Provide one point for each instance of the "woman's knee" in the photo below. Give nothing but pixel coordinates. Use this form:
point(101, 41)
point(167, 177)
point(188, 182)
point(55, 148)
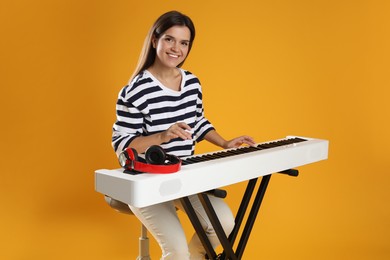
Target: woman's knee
point(175, 250)
point(224, 214)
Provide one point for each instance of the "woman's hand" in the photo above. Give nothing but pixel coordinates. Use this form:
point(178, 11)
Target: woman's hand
point(178, 130)
point(238, 141)
point(214, 138)
point(181, 130)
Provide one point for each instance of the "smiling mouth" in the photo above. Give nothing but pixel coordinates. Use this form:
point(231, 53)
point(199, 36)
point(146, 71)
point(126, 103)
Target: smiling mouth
point(173, 55)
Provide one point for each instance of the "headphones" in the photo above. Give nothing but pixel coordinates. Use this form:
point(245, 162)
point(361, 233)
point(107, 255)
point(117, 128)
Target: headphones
point(157, 161)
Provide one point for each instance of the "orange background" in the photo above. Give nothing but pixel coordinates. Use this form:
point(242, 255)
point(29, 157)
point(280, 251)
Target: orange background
point(268, 69)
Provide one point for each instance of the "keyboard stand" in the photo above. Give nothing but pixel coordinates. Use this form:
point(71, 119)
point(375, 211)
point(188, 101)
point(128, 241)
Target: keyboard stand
point(227, 243)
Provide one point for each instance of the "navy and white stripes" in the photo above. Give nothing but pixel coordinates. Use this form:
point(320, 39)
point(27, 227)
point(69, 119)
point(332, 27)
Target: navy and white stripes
point(146, 106)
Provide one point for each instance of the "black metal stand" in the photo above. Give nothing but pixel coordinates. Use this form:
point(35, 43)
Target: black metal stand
point(227, 243)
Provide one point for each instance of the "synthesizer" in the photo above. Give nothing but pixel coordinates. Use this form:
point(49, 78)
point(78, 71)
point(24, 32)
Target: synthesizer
point(204, 172)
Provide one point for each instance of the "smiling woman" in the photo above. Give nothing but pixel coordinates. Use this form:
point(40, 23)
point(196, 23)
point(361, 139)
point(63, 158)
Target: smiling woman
point(162, 105)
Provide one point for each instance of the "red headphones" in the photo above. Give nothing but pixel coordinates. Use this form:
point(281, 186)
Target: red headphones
point(157, 161)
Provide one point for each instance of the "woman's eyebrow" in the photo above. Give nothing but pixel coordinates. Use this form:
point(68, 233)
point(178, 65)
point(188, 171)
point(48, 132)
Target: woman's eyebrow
point(170, 36)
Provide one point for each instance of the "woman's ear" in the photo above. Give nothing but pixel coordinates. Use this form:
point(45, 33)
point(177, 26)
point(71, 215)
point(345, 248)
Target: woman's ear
point(154, 42)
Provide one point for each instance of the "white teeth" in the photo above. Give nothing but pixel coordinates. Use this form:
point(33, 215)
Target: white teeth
point(174, 56)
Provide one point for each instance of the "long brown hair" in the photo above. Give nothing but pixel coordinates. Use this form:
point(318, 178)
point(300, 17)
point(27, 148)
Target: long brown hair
point(163, 23)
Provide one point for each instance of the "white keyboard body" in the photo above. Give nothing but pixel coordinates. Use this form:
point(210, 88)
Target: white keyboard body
point(147, 189)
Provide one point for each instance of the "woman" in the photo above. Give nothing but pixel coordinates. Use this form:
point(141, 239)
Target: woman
point(162, 105)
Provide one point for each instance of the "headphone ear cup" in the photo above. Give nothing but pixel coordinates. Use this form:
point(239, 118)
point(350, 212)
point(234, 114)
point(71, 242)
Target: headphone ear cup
point(155, 155)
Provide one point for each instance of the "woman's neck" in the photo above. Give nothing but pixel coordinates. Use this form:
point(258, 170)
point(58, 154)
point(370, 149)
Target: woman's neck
point(169, 77)
point(163, 72)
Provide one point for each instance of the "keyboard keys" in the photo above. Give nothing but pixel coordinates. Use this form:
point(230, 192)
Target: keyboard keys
point(241, 150)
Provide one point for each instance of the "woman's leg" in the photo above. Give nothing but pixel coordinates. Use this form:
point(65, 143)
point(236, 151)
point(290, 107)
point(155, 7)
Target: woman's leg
point(225, 216)
point(162, 222)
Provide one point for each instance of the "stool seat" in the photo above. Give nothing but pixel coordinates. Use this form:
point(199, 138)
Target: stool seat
point(118, 205)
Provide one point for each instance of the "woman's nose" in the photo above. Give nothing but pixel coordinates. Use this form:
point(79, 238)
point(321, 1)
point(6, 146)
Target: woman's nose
point(175, 46)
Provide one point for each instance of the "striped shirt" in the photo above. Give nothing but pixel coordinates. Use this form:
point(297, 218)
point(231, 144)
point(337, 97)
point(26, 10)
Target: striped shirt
point(146, 107)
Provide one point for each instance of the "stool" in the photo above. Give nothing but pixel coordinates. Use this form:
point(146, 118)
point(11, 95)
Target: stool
point(143, 244)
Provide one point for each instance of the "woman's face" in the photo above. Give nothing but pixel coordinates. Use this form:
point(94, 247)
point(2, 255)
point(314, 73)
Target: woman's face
point(172, 46)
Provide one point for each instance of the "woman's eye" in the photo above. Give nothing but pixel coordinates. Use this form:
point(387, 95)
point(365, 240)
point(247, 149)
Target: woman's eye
point(184, 43)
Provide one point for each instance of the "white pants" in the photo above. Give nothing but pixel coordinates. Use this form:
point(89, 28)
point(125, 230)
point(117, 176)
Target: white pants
point(162, 222)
